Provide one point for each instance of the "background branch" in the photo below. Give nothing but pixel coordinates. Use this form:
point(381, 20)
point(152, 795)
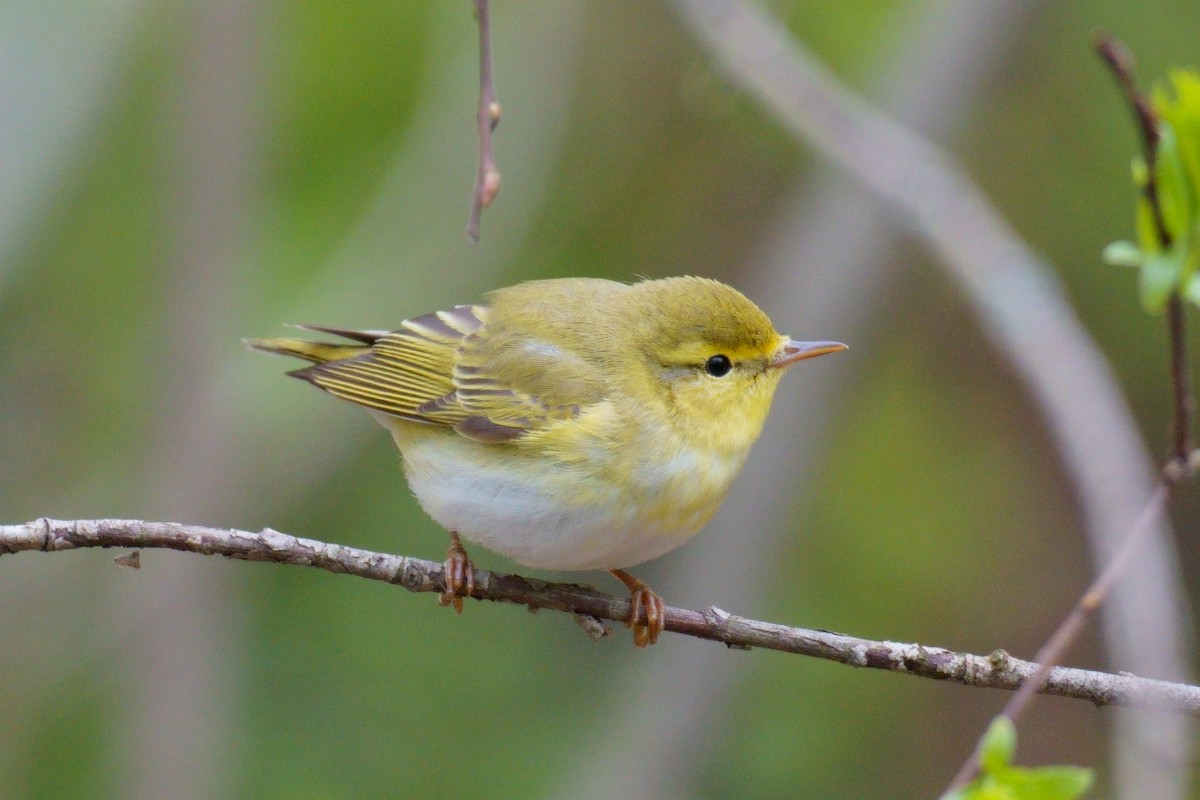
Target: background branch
point(172, 722)
point(1120, 61)
point(1025, 314)
point(932, 70)
point(997, 671)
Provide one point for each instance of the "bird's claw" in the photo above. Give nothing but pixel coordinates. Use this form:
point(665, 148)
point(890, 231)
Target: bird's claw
point(459, 576)
point(643, 601)
point(647, 632)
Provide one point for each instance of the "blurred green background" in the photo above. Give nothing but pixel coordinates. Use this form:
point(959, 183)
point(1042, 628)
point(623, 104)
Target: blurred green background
point(174, 176)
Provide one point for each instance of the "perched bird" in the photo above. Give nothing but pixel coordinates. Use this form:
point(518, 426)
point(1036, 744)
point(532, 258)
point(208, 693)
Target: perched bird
point(570, 424)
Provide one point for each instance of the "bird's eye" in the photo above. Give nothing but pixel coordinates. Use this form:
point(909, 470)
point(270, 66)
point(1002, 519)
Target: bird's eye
point(718, 366)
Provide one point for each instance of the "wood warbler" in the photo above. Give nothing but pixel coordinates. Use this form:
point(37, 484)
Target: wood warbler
point(570, 424)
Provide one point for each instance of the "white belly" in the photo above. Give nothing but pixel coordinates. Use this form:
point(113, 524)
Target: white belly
point(559, 517)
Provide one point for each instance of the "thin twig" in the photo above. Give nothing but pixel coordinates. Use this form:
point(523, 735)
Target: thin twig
point(487, 180)
point(1120, 61)
point(1056, 647)
point(1118, 58)
point(1181, 385)
point(997, 671)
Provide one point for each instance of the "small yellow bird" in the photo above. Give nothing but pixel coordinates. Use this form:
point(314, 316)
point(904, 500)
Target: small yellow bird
point(570, 424)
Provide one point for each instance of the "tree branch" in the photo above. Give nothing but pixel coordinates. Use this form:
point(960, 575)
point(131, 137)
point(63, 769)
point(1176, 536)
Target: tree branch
point(998, 670)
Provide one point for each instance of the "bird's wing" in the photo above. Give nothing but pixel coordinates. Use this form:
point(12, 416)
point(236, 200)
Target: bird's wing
point(399, 371)
point(507, 383)
point(442, 369)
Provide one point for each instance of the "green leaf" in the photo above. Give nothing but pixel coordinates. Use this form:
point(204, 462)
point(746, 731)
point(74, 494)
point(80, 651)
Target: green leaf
point(1176, 176)
point(1175, 194)
point(1182, 112)
point(1191, 290)
point(999, 780)
point(1122, 254)
point(1189, 256)
point(1018, 783)
point(1145, 226)
point(1161, 273)
point(1177, 179)
point(1042, 783)
point(998, 746)
point(1137, 169)
point(1049, 783)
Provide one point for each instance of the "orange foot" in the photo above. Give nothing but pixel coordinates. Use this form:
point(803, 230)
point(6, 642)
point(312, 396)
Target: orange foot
point(460, 576)
point(644, 599)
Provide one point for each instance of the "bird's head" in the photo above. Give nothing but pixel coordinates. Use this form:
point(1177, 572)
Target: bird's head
point(712, 358)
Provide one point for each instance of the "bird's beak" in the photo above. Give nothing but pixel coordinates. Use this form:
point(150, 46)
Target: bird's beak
point(793, 351)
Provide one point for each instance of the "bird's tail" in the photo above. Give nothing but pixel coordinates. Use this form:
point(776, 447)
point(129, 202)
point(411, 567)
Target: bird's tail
point(319, 352)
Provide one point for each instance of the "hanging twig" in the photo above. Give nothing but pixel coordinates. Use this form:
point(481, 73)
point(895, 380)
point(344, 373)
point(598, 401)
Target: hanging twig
point(487, 180)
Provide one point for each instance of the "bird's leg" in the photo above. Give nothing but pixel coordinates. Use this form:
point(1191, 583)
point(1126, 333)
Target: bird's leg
point(460, 575)
point(643, 598)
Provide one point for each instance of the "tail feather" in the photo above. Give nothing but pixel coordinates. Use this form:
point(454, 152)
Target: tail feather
point(396, 373)
point(316, 352)
point(366, 337)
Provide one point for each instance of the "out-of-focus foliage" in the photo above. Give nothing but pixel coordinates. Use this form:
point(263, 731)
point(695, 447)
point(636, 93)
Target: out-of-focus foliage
point(1000, 780)
point(193, 173)
point(1170, 268)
